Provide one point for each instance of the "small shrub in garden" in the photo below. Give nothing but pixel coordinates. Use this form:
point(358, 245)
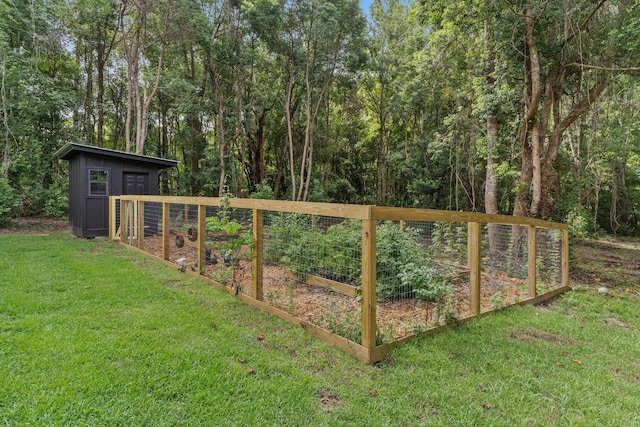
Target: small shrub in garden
point(430, 284)
point(425, 281)
point(283, 234)
point(450, 239)
point(394, 249)
point(217, 224)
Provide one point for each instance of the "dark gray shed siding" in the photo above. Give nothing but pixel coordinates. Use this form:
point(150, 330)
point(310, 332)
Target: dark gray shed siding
point(89, 214)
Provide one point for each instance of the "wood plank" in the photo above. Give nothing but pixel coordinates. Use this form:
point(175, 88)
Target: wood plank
point(202, 237)
point(166, 231)
point(140, 225)
point(531, 260)
point(124, 226)
point(564, 258)
point(339, 287)
point(112, 217)
point(414, 214)
point(310, 208)
point(342, 288)
point(369, 283)
point(474, 243)
point(258, 254)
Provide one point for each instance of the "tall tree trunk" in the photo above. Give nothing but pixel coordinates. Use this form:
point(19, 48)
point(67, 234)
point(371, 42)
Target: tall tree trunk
point(382, 165)
point(88, 97)
point(288, 113)
point(100, 101)
point(6, 152)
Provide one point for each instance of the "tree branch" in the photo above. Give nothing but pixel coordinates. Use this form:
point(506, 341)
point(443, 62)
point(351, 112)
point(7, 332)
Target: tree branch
point(598, 67)
point(586, 21)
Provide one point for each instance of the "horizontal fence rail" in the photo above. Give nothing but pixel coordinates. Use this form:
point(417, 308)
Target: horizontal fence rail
point(364, 278)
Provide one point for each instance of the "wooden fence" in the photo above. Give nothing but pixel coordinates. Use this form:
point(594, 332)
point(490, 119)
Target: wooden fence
point(130, 224)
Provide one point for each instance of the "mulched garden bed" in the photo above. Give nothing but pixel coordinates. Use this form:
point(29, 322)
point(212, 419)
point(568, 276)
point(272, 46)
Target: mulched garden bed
point(337, 312)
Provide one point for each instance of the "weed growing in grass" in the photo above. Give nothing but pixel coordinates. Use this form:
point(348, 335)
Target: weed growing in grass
point(497, 300)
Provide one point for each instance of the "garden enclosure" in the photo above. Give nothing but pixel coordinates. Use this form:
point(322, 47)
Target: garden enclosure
point(364, 278)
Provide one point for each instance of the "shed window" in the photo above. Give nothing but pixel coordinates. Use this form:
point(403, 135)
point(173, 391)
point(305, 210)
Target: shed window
point(98, 182)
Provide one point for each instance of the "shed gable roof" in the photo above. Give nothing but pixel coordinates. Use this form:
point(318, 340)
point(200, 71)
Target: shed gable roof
point(70, 150)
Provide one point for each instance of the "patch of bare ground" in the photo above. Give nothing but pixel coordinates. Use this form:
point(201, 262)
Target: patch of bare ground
point(611, 262)
point(628, 372)
point(532, 335)
point(329, 399)
point(31, 225)
point(618, 323)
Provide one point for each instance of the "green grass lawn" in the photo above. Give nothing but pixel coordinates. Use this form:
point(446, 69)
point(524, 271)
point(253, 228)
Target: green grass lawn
point(92, 333)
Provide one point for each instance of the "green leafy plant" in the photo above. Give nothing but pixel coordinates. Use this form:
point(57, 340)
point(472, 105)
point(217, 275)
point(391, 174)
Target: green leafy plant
point(394, 250)
point(221, 224)
point(449, 238)
point(578, 221)
point(263, 191)
point(429, 284)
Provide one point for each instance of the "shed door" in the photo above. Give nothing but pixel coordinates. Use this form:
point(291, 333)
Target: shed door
point(135, 183)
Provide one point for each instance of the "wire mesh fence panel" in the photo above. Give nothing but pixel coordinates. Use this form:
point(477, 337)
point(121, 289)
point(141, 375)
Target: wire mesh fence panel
point(115, 231)
point(152, 228)
point(504, 265)
point(128, 229)
point(548, 259)
point(422, 277)
point(228, 247)
point(312, 269)
point(183, 226)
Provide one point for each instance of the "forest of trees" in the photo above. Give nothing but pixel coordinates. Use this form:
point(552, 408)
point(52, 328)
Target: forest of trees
point(523, 107)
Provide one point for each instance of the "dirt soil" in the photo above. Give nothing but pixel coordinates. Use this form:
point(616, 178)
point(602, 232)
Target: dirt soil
point(36, 226)
point(335, 311)
point(609, 261)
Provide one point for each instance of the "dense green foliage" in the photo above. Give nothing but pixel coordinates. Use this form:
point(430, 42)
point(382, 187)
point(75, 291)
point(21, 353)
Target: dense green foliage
point(335, 253)
point(8, 202)
point(94, 334)
point(524, 107)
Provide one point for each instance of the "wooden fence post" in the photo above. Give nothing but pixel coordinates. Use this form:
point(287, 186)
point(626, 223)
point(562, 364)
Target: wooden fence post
point(140, 224)
point(202, 238)
point(258, 255)
point(369, 283)
point(124, 221)
point(565, 258)
point(112, 217)
point(166, 231)
point(531, 260)
point(474, 240)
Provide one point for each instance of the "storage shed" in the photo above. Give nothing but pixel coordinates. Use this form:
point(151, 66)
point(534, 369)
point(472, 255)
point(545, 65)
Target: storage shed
point(97, 173)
